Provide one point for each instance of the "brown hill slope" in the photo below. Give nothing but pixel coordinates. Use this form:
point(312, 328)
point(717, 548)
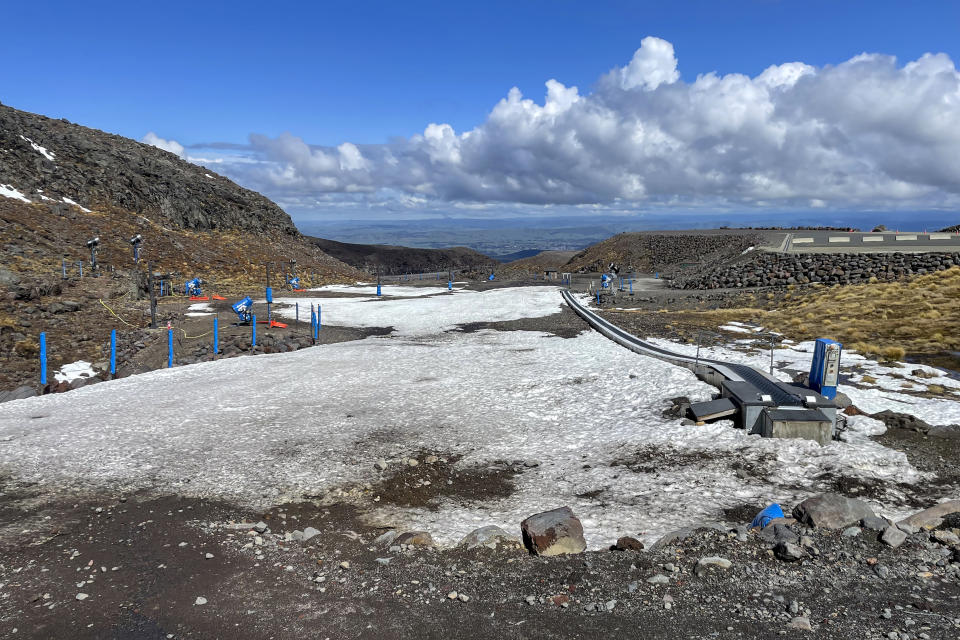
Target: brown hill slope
point(394, 260)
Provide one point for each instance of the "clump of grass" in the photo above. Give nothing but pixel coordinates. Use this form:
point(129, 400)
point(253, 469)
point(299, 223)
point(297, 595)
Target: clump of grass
point(867, 379)
point(894, 353)
point(27, 347)
point(935, 388)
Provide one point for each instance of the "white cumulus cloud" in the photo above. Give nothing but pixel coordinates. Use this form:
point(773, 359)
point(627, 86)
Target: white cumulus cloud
point(167, 145)
point(866, 132)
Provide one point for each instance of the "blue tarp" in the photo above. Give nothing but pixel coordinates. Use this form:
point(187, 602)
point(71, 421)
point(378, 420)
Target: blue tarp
point(764, 517)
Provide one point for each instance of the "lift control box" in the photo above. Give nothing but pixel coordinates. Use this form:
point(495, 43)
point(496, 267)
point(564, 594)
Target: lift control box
point(825, 370)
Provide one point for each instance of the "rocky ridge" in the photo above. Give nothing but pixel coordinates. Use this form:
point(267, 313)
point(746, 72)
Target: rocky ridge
point(773, 269)
point(56, 161)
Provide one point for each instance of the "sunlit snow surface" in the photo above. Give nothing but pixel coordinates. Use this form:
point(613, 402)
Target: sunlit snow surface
point(7, 191)
point(260, 430)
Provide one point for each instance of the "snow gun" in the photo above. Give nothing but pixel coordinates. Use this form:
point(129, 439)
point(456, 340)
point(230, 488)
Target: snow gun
point(294, 282)
point(491, 277)
point(192, 287)
point(605, 281)
point(244, 310)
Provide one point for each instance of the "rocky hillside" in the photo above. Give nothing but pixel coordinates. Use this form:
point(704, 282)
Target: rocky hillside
point(397, 260)
point(771, 269)
point(62, 184)
point(662, 251)
point(49, 161)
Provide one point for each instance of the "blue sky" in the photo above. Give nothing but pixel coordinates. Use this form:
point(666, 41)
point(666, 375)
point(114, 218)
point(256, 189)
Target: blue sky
point(374, 73)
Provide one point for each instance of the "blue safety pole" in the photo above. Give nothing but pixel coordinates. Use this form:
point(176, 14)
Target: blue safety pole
point(313, 323)
point(43, 358)
point(598, 297)
point(378, 289)
point(216, 335)
point(319, 319)
point(253, 332)
point(631, 285)
point(169, 348)
point(449, 285)
point(113, 352)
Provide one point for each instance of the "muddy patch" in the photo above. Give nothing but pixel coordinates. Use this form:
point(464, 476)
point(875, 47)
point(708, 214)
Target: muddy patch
point(657, 459)
point(565, 324)
point(436, 477)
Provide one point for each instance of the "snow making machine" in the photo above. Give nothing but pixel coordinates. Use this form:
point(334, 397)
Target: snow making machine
point(244, 310)
point(294, 282)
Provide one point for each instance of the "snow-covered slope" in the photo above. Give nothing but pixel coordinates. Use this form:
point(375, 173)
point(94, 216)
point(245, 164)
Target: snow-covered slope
point(259, 430)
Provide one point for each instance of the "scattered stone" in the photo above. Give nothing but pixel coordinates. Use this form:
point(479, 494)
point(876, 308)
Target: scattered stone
point(431, 459)
point(310, 532)
point(199, 601)
point(893, 537)
point(413, 462)
point(831, 511)
point(82, 596)
point(260, 527)
point(345, 564)
point(463, 597)
point(945, 537)
point(851, 532)
point(385, 539)
point(874, 523)
point(490, 537)
point(414, 538)
point(553, 533)
point(208, 556)
point(627, 543)
point(610, 604)
point(711, 564)
point(453, 595)
point(658, 579)
point(801, 622)
point(381, 464)
point(789, 552)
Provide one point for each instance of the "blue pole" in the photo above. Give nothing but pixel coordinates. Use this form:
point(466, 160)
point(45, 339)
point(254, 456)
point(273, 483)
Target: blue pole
point(297, 306)
point(319, 319)
point(216, 335)
point(313, 322)
point(169, 348)
point(43, 358)
point(449, 285)
point(253, 335)
point(378, 289)
point(598, 297)
point(631, 285)
point(113, 352)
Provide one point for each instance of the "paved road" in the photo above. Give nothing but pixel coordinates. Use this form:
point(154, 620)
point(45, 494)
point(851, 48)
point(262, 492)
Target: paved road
point(905, 241)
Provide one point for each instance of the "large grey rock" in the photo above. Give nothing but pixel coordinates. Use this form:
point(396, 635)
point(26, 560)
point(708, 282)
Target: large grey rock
point(875, 523)
point(932, 517)
point(892, 536)
point(789, 552)
point(553, 533)
point(489, 537)
point(832, 511)
point(19, 393)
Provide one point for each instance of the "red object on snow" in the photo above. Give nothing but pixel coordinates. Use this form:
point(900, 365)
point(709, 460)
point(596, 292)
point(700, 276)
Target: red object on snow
point(299, 290)
point(198, 298)
point(219, 298)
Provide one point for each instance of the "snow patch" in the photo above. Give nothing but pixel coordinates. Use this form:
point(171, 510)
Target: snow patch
point(7, 191)
point(79, 206)
point(49, 155)
point(73, 371)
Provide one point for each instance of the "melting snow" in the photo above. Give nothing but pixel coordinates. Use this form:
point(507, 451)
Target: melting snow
point(199, 309)
point(8, 191)
point(79, 206)
point(74, 370)
point(46, 154)
point(585, 409)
